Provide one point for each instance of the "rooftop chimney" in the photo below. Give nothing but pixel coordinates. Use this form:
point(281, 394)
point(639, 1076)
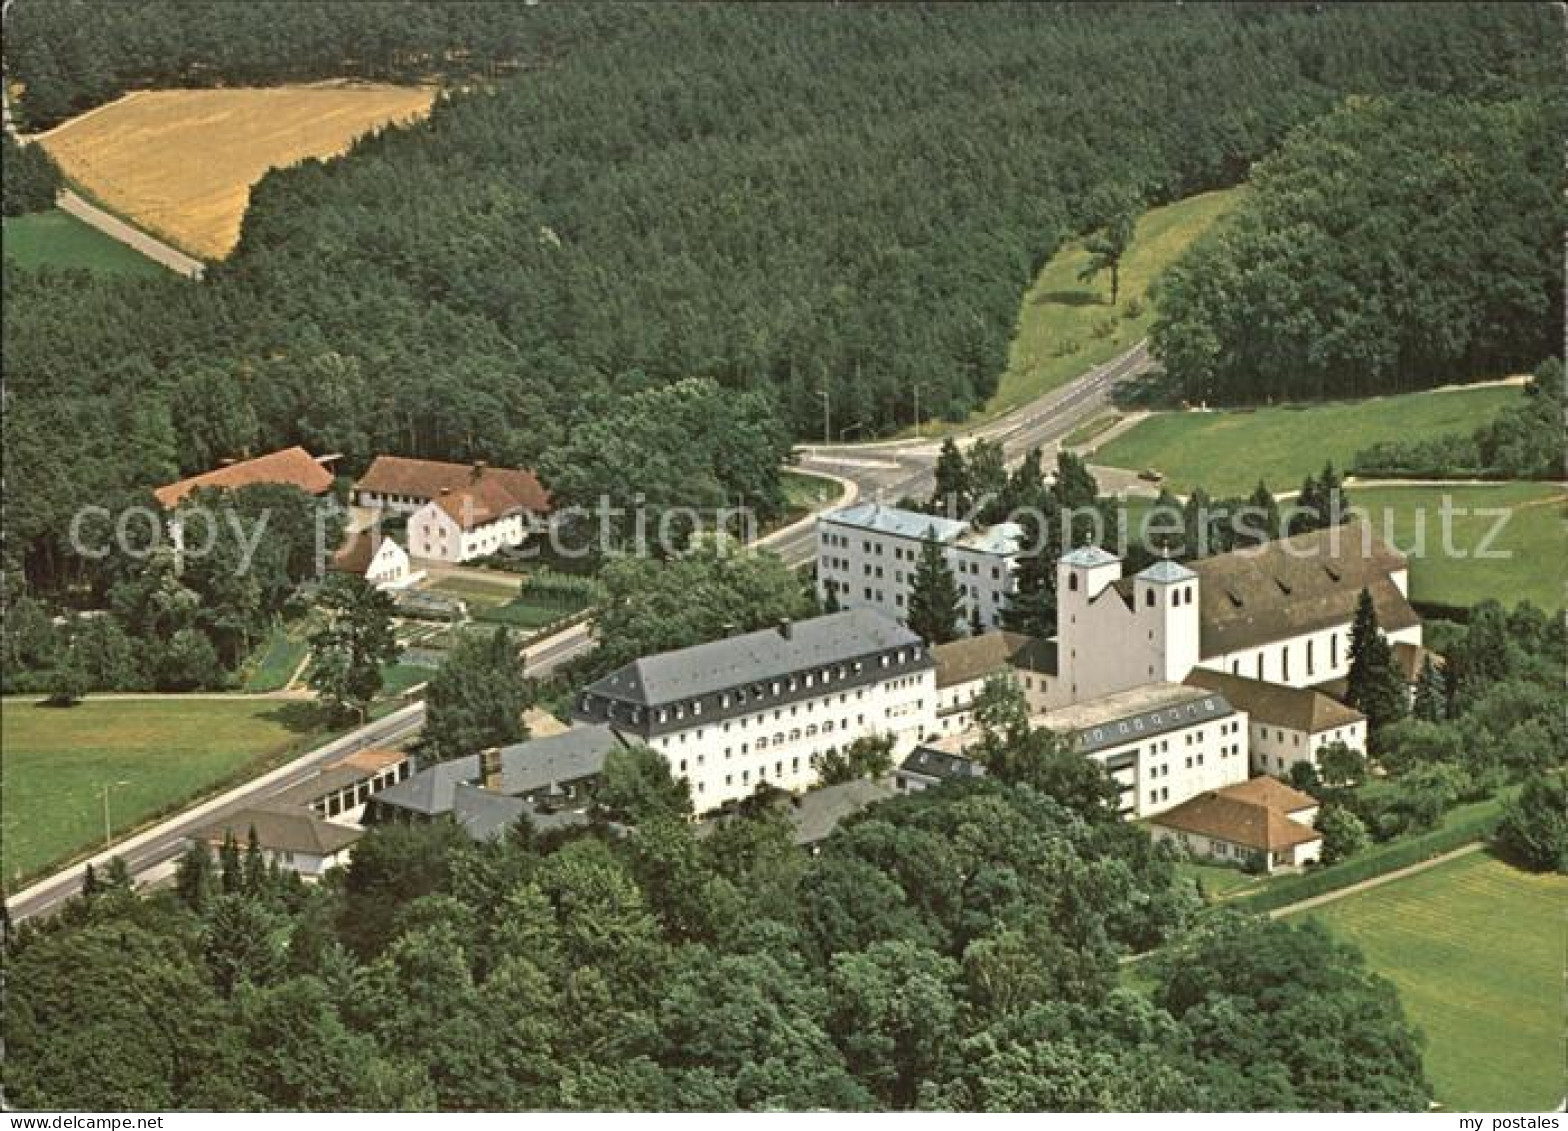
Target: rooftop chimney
point(786, 629)
point(490, 769)
point(479, 469)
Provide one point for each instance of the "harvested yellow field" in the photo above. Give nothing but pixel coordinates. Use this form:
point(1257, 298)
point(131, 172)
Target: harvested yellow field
point(181, 163)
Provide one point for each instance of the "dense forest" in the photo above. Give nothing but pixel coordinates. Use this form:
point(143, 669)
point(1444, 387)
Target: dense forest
point(70, 55)
point(956, 949)
point(31, 181)
point(785, 200)
point(1394, 244)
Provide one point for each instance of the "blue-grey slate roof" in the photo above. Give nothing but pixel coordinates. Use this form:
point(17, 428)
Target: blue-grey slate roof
point(1088, 557)
point(1166, 572)
point(758, 658)
point(525, 768)
point(881, 519)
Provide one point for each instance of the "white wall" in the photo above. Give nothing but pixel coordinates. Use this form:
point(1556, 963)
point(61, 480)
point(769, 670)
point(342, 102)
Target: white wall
point(724, 761)
point(1276, 749)
point(1104, 647)
point(436, 535)
point(396, 504)
point(1213, 848)
point(1303, 660)
point(1180, 764)
point(872, 569)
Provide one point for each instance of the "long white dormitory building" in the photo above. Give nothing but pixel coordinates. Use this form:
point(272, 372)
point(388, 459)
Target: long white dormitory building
point(759, 707)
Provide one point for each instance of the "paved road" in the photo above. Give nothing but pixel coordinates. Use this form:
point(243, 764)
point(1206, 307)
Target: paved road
point(875, 470)
point(156, 846)
point(890, 470)
point(134, 238)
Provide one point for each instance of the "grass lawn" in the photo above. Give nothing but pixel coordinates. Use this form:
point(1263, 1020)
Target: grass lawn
point(1536, 567)
point(1215, 881)
point(1091, 428)
point(1067, 326)
point(1475, 947)
point(58, 239)
point(802, 490)
point(527, 613)
point(167, 751)
point(1225, 452)
point(480, 593)
point(276, 660)
point(398, 678)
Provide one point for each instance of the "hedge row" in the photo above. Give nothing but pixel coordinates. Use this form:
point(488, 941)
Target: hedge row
point(1375, 862)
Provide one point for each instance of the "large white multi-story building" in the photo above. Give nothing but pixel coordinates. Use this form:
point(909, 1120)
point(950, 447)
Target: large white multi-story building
point(867, 554)
point(1161, 743)
point(761, 707)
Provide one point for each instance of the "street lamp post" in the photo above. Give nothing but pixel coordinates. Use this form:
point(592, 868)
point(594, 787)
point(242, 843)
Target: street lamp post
point(108, 829)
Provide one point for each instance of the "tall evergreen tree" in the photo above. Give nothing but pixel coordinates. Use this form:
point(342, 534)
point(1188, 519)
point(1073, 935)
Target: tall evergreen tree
point(1031, 607)
point(1375, 687)
point(1306, 514)
point(935, 605)
point(1261, 523)
point(193, 877)
point(477, 699)
point(954, 488)
point(231, 865)
point(988, 479)
point(1117, 210)
point(351, 647)
point(255, 864)
point(1076, 488)
point(1431, 700)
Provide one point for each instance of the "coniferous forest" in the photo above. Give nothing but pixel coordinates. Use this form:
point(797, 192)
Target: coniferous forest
point(1392, 245)
point(783, 200)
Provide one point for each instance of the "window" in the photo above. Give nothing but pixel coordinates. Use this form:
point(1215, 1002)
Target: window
point(1072, 582)
point(1148, 598)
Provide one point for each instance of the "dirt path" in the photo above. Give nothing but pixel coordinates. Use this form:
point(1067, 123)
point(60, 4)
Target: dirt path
point(134, 238)
point(1375, 881)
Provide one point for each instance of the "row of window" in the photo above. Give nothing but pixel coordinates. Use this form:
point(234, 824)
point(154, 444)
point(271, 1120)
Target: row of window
point(782, 686)
point(1284, 659)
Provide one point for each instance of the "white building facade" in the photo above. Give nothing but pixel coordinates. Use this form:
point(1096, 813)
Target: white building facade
point(454, 528)
point(867, 555)
point(760, 708)
point(1161, 744)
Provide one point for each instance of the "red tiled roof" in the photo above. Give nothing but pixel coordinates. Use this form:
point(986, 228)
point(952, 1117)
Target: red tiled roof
point(500, 487)
point(1299, 708)
point(1236, 822)
point(356, 554)
point(1252, 814)
point(293, 467)
point(1270, 791)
